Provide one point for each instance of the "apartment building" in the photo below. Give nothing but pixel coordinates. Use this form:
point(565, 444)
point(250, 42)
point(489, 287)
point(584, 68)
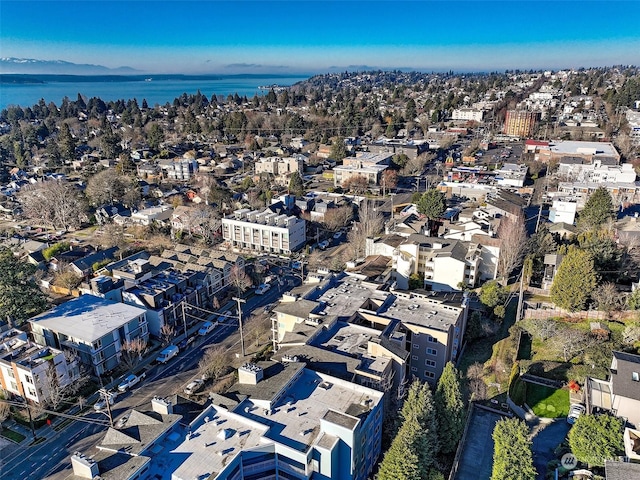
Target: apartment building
point(30, 370)
point(520, 123)
point(94, 328)
point(576, 168)
point(264, 231)
point(284, 421)
point(179, 169)
point(400, 316)
point(469, 114)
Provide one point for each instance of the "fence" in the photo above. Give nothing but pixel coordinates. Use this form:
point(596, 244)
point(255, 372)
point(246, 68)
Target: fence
point(547, 313)
point(456, 460)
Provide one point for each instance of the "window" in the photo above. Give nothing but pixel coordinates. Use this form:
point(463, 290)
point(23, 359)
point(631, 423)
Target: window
point(414, 369)
point(635, 377)
point(429, 374)
point(431, 339)
point(28, 379)
point(430, 363)
point(32, 392)
point(432, 351)
point(415, 345)
point(414, 357)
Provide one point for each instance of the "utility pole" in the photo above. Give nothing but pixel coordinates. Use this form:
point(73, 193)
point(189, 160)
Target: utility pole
point(240, 301)
point(107, 400)
point(521, 296)
point(184, 317)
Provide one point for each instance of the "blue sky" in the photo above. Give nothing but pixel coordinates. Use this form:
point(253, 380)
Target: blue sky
point(308, 36)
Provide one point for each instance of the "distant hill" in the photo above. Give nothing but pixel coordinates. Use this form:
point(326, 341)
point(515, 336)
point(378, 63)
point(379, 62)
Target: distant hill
point(59, 67)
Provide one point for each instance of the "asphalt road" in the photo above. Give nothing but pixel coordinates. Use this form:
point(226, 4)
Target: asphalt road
point(50, 460)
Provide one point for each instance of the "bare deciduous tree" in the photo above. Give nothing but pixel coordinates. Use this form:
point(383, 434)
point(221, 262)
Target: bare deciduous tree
point(53, 391)
point(5, 411)
point(54, 203)
point(336, 218)
point(513, 241)
point(239, 279)
point(543, 328)
point(204, 221)
point(572, 342)
point(214, 363)
point(132, 352)
point(357, 184)
point(607, 298)
point(369, 224)
point(477, 387)
point(167, 331)
point(415, 166)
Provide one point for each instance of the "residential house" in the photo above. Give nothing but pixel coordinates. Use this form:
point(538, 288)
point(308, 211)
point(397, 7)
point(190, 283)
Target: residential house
point(620, 394)
point(93, 328)
point(563, 212)
point(32, 371)
point(147, 216)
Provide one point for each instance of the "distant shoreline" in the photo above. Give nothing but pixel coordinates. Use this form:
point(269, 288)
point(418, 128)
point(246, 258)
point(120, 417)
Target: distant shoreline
point(38, 79)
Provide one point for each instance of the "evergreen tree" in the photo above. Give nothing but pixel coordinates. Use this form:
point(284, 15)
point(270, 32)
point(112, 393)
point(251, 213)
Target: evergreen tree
point(66, 143)
point(450, 411)
point(596, 438)
point(574, 281)
point(401, 461)
point(597, 211)
point(21, 298)
point(418, 407)
point(432, 205)
point(296, 185)
point(338, 149)
point(512, 456)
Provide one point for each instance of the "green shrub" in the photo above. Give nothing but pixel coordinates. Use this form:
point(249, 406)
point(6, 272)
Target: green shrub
point(50, 252)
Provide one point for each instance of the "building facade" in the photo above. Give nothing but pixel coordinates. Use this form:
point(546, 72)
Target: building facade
point(93, 328)
point(264, 231)
point(520, 123)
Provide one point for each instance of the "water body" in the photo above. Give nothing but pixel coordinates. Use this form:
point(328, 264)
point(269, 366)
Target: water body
point(154, 90)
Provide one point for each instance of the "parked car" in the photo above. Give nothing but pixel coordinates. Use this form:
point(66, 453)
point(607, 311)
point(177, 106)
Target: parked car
point(194, 386)
point(123, 421)
point(268, 308)
point(574, 413)
point(206, 328)
point(184, 343)
point(323, 244)
point(102, 401)
point(296, 265)
point(167, 354)
point(130, 381)
point(262, 288)
point(337, 235)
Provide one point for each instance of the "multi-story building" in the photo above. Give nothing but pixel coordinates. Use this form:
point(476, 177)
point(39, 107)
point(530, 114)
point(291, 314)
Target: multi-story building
point(576, 168)
point(93, 328)
point(279, 166)
point(520, 123)
point(180, 169)
point(284, 421)
point(435, 322)
point(469, 114)
point(33, 371)
point(264, 231)
point(147, 216)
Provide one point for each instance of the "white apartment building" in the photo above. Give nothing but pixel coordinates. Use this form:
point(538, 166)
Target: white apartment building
point(470, 114)
point(264, 231)
point(563, 212)
point(30, 370)
point(93, 327)
point(147, 216)
point(280, 167)
point(596, 172)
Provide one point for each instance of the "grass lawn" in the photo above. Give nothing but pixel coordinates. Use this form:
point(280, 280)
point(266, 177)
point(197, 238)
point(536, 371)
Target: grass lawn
point(11, 435)
point(547, 402)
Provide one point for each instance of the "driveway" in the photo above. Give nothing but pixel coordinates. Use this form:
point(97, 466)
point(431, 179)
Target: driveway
point(476, 459)
point(545, 441)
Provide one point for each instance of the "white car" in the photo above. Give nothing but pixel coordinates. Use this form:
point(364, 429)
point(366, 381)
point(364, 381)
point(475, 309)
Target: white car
point(206, 328)
point(130, 381)
point(102, 402)
point(574, 412)
point(262, 289)
point(324, 244)
point(194, 386)
point(337, 235)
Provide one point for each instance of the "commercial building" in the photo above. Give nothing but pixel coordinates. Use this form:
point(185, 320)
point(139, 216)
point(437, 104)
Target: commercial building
point(31, 371)
point(93, 328)
point(520, 123)
point(601, 170)
point(469, 114)
point(264, 231)
point(284, 421)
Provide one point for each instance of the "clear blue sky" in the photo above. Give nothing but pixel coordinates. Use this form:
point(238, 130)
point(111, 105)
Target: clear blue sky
point(307, 36)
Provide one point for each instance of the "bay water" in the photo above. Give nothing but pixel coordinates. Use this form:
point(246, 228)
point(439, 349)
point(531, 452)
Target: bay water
point(155, 91)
